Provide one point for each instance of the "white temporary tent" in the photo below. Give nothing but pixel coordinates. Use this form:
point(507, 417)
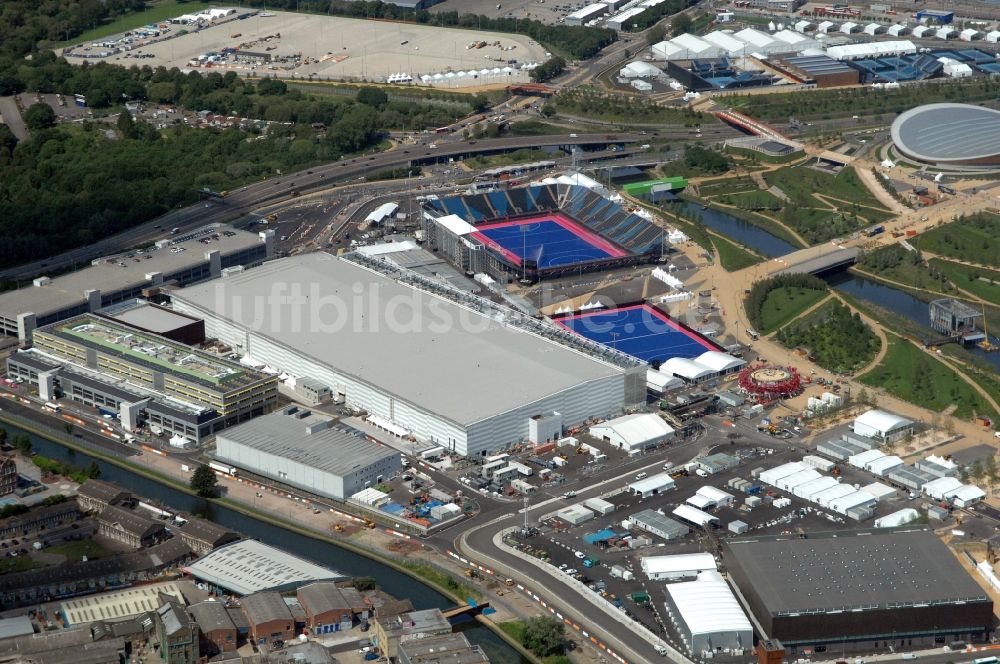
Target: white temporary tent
point(652, 485)
point(965, 495)
point(946, 32)
point(726, 42)
point(849, 27)
point(993, 36)
point(854, 499)
point(873, 29)
point(718, 495)
point(772, 475)
point(900, 518)
point(708, 615)
point(686, 369)
point(719, 362)
point(939, 488)
point(808, 490)
point(862, 459)
point(896, 30)
point(879, 491)
point(969, 34)
point(883, 465)
point(634, 432)
point(826, 26)
point(922, 31)
point(789, 482)
point(803, 26)
point(701, 502)
point(872, 50)
point(693, 515)
point(659, 382)
point(824, 498)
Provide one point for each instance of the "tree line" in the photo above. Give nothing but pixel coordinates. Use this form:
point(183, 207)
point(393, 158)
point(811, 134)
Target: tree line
point(837, 340)
point(754, 302)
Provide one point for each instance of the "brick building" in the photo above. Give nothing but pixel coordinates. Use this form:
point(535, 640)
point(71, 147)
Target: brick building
point(8, 476)
point(203, 536)
point(218, 631)
point(132, 528)
point(177, 633)
point(269, 619)
point(325, 607)
point(35, 519)
point(95, 495)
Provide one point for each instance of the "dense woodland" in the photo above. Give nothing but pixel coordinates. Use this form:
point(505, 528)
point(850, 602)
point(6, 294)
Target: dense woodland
point(68, 185)
point(836, 339)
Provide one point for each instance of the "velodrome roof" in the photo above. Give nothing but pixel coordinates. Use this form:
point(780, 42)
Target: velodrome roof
point(941, 133)
point(424, 349)
point(861, 570)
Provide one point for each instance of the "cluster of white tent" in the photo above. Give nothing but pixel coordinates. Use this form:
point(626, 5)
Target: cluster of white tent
point(459, 78)
point(207, 16)
point(736, 44)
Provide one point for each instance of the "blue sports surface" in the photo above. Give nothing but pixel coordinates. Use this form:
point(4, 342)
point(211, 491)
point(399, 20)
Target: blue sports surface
point(547, 241)
point(640, 331)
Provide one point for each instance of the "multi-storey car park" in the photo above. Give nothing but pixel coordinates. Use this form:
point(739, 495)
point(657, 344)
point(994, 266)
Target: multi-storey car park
point(180, 260)
point(447, 367)
point(101, 362)
point(887, 588)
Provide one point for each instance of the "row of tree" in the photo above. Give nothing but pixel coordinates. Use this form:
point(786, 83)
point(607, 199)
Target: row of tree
point(754, 302)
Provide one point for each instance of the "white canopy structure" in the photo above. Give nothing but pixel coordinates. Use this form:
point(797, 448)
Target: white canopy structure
point(882, 426)
point(809, 490)
point(719, 362)
point(851, 500)
point(693, 515)
point(772, 475)
point(922, 31)
point(966, 495)
point(789, 482)
point(659, 382)
point(826, 26)
point(993, 36)
point(946, 32)
point(634, 432)
point(862, 459)
point(679, 566)
point(652, 485)
point(900, 518)
point(941, 487)
point(708, 615)
point(883, 465)
point(896, 30)
point(824, 498)
point(685, 369)
point(970, 34)
point(873, 49)
point(849, 27)
point(726, 42)
point(718, 496)
point(639, 69)
point(803, 26)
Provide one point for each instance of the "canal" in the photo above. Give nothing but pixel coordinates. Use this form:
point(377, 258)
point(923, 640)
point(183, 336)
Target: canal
point(347, 562)
point(899, 302)
point(742, 232)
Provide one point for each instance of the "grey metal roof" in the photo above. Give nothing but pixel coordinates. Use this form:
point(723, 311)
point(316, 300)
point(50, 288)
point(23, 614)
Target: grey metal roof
point(146, 316)
point(110, 275)
point(654, 519)
point(211, 616)
point(450, 648)
point(863, 570)
point(249, 566)
point(131, 522)
point(948, 132)
point(321, 597)
point(314, 440)
point(100, 490)
point(438, 355)
point(16, 626)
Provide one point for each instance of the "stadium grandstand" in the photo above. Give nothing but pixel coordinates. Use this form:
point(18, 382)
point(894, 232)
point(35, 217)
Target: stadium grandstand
point(540, 231)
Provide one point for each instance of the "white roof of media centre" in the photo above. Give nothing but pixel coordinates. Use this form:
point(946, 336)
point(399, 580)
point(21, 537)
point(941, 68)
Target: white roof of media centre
point(708, 606)
point(249, 566)
point(635, 429)
point(455, 356)
point(679, 563)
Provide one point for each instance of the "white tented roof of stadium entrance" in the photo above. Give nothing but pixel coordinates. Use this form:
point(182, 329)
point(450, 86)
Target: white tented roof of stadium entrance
point(718, 361)
point(685, 368)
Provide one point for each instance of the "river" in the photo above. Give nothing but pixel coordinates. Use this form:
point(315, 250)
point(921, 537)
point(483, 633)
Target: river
point(743, 232)
point(899, 302)
point(347, 562)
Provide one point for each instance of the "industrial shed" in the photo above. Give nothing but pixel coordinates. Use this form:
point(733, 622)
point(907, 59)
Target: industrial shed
point(883, 465)
point(650, 486)
point(676, 567)
point(658, 524)
point(634, 432)
point(300, 448)
point(461, 409)
point(910, 477)
point(599, 505)
point(880, 492)
point(708, 615)
point(575, 514)
point(853, 589)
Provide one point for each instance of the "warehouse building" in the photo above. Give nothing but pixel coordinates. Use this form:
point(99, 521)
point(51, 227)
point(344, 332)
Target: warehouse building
point(384, 354)
point(588, 13)
point(185, 259)
point(154, 319)
point(819, 70)
point(634, 433)
point(309, 451)
point(860, 590)
point(144, 378)
point(270, 620)
point(249, 566)
point(677, 567)
point(708, 615)
point(656, 523)
point(217, 631)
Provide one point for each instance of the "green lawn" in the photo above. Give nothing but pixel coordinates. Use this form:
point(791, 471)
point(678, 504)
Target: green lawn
point(976, 239)
point(74, 551)
point(732, 256)
point(20, 564)
point(976, 280)
point(160, 11)
point(783, 304)
point(914, 375)
point(727, 186)
point(753, 200)
point(753, 155)
point(535, 128)
point(894, 263)
point(837, 340)
point(811, 217)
